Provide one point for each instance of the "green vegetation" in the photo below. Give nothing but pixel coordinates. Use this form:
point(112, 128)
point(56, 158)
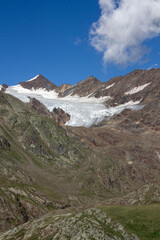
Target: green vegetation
point(144, 220)
point(125, 223)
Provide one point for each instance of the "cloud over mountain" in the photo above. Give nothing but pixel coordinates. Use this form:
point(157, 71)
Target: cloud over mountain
point(123, 27)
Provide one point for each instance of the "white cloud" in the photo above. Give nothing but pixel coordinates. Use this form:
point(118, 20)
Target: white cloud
point(123, 27)
point(153, 66)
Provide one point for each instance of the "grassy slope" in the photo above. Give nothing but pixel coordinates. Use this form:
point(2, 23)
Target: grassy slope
point(142, 220)
point(126, 223)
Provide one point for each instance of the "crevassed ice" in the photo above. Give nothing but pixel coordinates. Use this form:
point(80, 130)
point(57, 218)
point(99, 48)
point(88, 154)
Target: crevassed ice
point(84, 111)
point(137, 89)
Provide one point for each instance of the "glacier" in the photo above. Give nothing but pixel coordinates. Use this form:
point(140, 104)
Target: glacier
point(83, 111)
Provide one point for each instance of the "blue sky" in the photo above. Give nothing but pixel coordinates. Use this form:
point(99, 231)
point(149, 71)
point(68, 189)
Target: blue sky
point(52, 38)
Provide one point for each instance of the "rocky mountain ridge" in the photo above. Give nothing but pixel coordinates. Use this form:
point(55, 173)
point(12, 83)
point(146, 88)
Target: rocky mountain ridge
point(134, 91)
point(130, 84)
point(120, 89)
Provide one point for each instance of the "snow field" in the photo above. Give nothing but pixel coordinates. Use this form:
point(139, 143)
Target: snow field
point(84, 111)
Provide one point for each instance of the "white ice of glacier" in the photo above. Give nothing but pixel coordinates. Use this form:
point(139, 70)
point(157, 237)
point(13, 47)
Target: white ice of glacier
point(84, 111)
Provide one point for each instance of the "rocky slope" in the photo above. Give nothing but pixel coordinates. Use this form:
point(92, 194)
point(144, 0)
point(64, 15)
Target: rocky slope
point(84, 88)
point(60, 116)
point(30, 145)
point(138, 85)
point(52, 167)
point(48, 167)
point(109, 223)
point(62, 88)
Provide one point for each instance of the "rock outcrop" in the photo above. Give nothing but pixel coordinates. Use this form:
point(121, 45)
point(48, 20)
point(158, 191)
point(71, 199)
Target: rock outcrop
point(60, 116)
point(4, 144)
point(38, 106)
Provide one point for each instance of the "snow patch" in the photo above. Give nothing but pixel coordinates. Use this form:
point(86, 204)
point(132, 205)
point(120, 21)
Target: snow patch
point(130, 162)
point(110, 86)
point(137, 89)
point(33, 78)
point(130, 103)
point(158, 154)
point(0, 87)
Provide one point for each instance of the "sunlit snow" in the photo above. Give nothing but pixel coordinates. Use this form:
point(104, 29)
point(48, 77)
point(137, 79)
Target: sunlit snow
point(158, 154)
point(110, 86)
point(33, 78)
point(84, 111)
point(137, 89)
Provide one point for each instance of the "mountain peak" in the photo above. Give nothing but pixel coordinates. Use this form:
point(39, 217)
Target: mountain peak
point(84, 87)
point(38, 82)
point(89, 80)
point(91, 76)
point(34, 78)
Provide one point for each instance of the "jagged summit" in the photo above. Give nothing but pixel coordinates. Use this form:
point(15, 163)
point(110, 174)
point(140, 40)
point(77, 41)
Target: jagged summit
point(136, 90)
point(91, 79)
point(84, 88)
point(38, 82)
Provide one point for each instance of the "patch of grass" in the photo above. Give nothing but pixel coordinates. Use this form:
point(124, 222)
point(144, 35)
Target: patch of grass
point(20, 233)
point(35, 237)
point(48, 238)
point(144, 221)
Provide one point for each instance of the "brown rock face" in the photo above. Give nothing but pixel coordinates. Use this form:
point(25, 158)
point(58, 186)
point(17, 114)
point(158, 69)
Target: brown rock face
point(84, 88)
point(4, 87)
point(118, 87)
point(57, 114)
point(146, 118)
point(38, 106)
point(61, 89)
point(39, 82)
point(60, 116)
point(124, 84)
point(4, 144)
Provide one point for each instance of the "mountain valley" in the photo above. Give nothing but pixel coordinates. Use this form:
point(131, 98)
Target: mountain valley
point(81, 161)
